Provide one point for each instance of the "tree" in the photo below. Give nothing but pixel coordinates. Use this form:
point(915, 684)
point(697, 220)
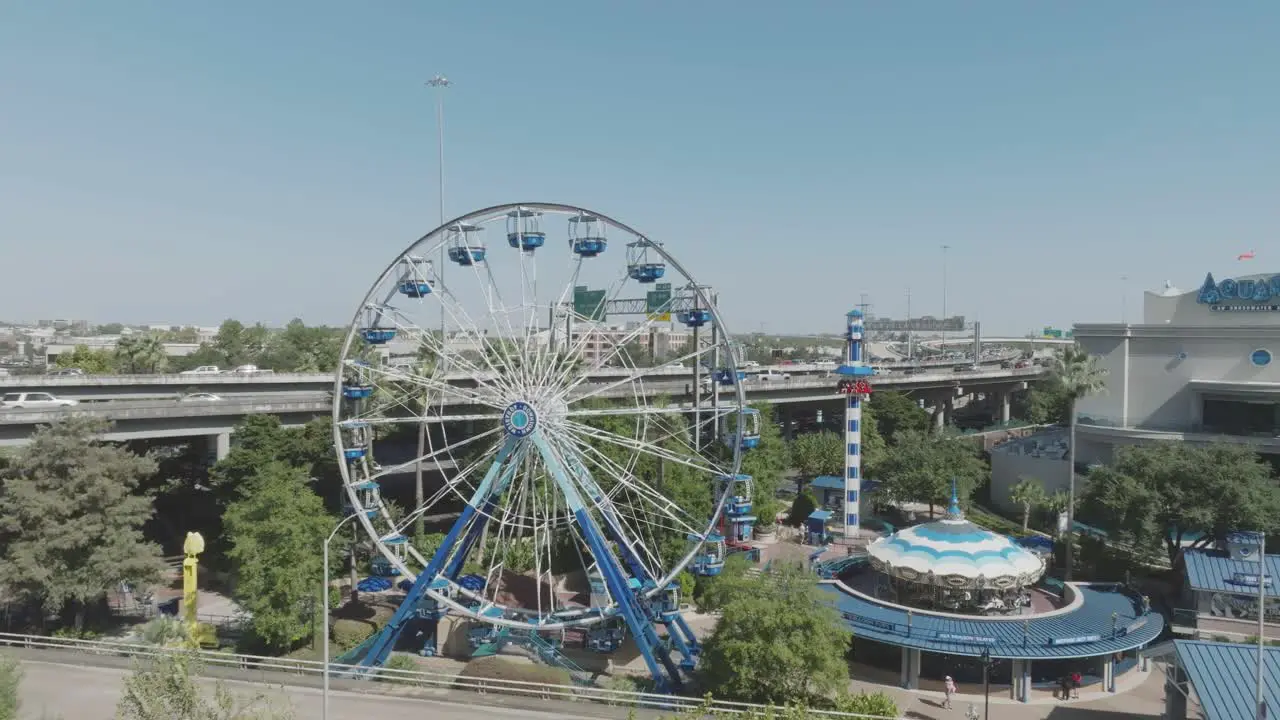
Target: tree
point(895, 414)
point(274, 533)
point(1046, 403)
point(1029, 493)
point(240, 345)
point(820, 453)
point(299, 348)
point(93, 362)
point(778, 642)
point(71, 519)
point(1076, 374)
point(137, 354)
point(167, 689)
point(920, 468)
point(1161, 494)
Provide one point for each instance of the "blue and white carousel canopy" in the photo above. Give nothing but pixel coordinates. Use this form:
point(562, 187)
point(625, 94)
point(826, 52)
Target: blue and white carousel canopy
point(954, 552)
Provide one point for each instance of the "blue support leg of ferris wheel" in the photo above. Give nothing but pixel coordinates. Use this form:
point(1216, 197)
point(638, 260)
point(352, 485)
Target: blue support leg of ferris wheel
point(381, 648)
point(613, 526)
point(454, 568)
point(666, 675)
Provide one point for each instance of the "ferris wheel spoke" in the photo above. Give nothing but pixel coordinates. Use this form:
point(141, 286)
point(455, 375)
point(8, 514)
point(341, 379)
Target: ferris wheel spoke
point(620, 475)
point(424, 338)
point(470, 330)
point(570, 361)
point(410, 464)
point(632, 378)
point(586, 432)
point(439, 386)
point(605, 507)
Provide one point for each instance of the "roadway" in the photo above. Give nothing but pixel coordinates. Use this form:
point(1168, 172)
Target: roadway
point(91, 693)
point(98, 388)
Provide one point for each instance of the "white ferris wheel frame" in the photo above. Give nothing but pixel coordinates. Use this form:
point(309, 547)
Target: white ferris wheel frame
point(377, 300)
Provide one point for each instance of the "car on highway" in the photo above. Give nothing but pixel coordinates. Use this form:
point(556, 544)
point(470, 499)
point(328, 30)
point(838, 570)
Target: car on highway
point(203, 370)
point(199, 397)
point(250, 370)
point(771, 376)
point(66, 372)
point(34, 401)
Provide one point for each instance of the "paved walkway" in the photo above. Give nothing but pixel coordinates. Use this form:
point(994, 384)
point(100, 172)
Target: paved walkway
point(1141, 695)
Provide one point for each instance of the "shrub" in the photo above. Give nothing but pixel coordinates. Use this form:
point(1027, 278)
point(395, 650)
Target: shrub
point(347, 634)
point(403, 663)
point(801, 507)
point(876, 704)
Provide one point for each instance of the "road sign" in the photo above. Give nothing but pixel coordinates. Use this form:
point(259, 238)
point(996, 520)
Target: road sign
point(660, 317)
point(658, 299)
point(589, 304)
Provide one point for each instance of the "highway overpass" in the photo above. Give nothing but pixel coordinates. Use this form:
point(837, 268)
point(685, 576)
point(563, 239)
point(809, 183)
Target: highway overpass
point(99, 388)
point(138, 420)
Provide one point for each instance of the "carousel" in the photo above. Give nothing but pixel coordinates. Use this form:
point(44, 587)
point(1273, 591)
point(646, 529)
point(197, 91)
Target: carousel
point(952, 565)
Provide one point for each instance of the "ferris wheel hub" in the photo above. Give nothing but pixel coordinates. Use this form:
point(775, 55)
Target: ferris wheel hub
point(519, 419)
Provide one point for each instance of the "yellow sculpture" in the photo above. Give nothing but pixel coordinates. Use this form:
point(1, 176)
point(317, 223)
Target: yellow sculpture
point(191, 548)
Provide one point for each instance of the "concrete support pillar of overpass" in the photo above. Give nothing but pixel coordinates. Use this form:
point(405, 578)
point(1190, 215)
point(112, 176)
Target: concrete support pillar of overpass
point(219, 446)
point(910, 669)
point(1003, 398)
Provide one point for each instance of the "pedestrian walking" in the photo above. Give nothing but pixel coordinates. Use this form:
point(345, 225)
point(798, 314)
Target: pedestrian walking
point(949, 687)
point(1075, 685)
point(1064, 687)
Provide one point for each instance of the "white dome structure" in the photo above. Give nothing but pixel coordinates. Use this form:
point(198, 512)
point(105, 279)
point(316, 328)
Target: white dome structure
point(954, 553)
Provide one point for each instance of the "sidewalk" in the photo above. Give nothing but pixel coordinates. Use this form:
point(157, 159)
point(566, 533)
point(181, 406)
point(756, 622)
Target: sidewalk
point(1139, 695)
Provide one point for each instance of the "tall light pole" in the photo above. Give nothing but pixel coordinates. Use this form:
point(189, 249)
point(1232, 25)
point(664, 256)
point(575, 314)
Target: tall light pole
point(1124, 299)
point(945, 248)
point(324, 610)
point(438, 84)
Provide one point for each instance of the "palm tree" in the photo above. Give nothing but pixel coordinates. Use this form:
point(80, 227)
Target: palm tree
point(140, 353)
point(1076, 374)
point(1029, 493)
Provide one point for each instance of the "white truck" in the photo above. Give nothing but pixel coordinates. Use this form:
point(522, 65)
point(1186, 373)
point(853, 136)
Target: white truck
point(203, 370)
point(34, 401)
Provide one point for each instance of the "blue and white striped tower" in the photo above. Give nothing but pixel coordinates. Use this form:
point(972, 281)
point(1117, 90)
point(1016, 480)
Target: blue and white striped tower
point(852, 370)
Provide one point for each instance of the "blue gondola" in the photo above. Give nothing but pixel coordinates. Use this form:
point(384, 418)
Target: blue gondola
point(694, 318)
point(354, 453)
point(725, 376)
point(523, 230)
point(356, 392)
point(465, 248)
point(709, 560)
point(745, 432)
point(642, 266)
point(377, 335)
point(414, 274)
point(586, 239)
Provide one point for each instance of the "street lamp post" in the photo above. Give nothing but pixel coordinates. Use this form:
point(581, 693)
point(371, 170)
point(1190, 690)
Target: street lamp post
point(945, 248)
point(986, 683)
point(438, 84)
point(324, 601)
point(1260, 704)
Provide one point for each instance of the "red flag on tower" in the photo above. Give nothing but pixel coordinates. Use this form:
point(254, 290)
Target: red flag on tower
point(1245, 256)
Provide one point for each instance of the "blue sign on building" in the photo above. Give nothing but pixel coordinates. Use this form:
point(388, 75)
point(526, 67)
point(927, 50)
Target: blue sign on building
point(1241, 295)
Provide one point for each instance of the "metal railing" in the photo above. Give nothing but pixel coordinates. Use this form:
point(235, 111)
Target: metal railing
point(415, 678)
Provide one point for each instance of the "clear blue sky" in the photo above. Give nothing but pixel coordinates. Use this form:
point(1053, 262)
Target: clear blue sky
point(186, 162)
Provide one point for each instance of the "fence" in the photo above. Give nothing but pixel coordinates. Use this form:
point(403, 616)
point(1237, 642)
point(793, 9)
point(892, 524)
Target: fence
point(439, 681)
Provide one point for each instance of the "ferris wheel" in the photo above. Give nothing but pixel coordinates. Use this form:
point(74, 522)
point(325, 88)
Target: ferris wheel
point(565, 376)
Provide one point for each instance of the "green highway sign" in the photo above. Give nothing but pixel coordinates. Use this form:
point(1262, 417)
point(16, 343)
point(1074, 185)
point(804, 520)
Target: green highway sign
point(589, 304)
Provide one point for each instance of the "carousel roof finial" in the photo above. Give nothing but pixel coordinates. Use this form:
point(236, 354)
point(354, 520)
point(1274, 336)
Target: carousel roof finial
point(954, 512)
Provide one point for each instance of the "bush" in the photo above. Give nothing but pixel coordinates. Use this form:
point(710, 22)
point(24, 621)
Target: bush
point(500, 668)
point(346, 634)
point(402, 663)
point(876, 704)
point(801, 507)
